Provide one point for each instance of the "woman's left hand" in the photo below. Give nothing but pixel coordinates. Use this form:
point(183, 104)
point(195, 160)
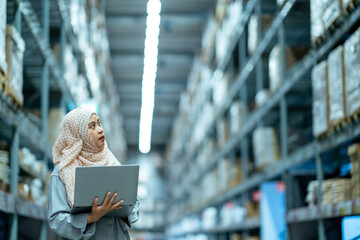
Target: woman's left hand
point(108, 205)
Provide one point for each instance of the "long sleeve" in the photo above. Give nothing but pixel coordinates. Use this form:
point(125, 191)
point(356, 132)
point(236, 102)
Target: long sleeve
point(134, 215)
point(65, 224)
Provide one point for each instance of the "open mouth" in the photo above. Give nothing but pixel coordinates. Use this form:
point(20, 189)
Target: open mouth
point(102, 138)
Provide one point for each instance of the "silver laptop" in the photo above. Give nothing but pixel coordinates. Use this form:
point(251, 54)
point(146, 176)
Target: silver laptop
point(97, 181)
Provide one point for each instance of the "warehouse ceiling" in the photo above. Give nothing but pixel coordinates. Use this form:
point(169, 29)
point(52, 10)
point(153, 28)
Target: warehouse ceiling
point(181, 27)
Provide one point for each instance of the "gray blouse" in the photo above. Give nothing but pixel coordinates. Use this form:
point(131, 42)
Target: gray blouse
point(74, 226)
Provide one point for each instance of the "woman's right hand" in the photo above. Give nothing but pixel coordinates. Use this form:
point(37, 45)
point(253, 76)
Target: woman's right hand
point(98, 212)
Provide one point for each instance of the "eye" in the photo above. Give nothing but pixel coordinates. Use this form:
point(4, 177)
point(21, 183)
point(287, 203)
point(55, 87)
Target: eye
point(92, 125)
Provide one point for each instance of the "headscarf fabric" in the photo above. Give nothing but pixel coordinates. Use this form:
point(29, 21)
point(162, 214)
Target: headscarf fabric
point(75, 147)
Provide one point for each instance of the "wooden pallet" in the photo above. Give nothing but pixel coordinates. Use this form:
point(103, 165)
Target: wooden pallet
point(337, 125)
point(355, 117)
point(2, 80)
point(318, 40)
point(335, 24)
point(351, 6)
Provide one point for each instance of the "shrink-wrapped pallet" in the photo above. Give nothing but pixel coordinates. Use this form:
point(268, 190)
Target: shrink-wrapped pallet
point(275, 68)
point(352, 73)
point(316, 23)
point(221, 88)
point(256, 24)
point(3, 64)
point(265, 146)
point(336, 82)
point(15, 47)
point(320, 109)
point(236, 116)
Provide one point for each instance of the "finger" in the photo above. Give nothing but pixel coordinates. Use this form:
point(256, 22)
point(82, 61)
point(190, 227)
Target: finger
point(112, 199)
point(107, 198)
point(118, 203)
point(95, 203)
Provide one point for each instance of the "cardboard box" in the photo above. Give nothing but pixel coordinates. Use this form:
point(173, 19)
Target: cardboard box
point(320, 108)
point(236, 116)
point(292, 55)
point(252, 209)
point(221, 88)
point(235, 172)
point(255, 25)
point(352, 73)
point(3, 63)
point(15, 47)
point(223, 132)
point(316, 22)
point(265, 146)
point(336, 82)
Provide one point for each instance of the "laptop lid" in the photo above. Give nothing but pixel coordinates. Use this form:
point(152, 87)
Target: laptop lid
point(96, 181)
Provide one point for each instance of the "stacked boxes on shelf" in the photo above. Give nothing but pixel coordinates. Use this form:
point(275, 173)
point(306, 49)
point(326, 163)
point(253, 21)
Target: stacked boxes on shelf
point(292, 55)
point(3, 64)
point(265, 147)
point(354, 155)
point(336, 86)
point(229, 18)
point(208, 39)
point(316, 25)
point(232, 213)
point(221, 87)
point(332, 191)
point(15, 47)
point(324, 15)
point(256, 25)
point(237, 110)
point(352, 73)
point(319, 79)
point(31, 188)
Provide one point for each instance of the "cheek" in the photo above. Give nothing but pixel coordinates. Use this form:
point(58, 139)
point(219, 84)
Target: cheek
point(92, 134)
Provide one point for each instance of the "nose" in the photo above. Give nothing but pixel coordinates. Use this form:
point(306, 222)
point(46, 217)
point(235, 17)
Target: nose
point(100, 130)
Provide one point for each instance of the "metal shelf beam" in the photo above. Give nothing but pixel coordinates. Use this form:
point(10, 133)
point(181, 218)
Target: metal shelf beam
point(38, 35)
point(27, 130)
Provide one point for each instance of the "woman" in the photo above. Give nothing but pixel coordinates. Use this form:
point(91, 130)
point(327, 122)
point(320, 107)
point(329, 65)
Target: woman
point(81, 142)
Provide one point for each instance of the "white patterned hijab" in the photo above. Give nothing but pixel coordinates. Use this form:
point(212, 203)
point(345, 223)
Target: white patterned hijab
point(75, 147)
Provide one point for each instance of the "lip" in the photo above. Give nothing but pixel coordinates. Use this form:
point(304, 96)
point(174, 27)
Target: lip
point(102, 138)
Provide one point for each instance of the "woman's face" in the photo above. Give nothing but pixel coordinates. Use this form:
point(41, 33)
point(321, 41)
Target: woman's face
point(96, 131)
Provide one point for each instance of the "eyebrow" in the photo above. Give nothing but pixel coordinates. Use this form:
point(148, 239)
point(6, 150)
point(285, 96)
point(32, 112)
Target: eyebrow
point(91, 122)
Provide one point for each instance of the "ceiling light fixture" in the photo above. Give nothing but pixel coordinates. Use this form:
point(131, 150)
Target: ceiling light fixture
point(149, 74)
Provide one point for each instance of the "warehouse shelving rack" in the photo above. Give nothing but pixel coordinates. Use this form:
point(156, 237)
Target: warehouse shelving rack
point(311, 150)
point(19, 124)
point(17, 127)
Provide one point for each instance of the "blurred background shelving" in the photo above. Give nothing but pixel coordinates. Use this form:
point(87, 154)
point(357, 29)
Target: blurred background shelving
point(255, 129)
